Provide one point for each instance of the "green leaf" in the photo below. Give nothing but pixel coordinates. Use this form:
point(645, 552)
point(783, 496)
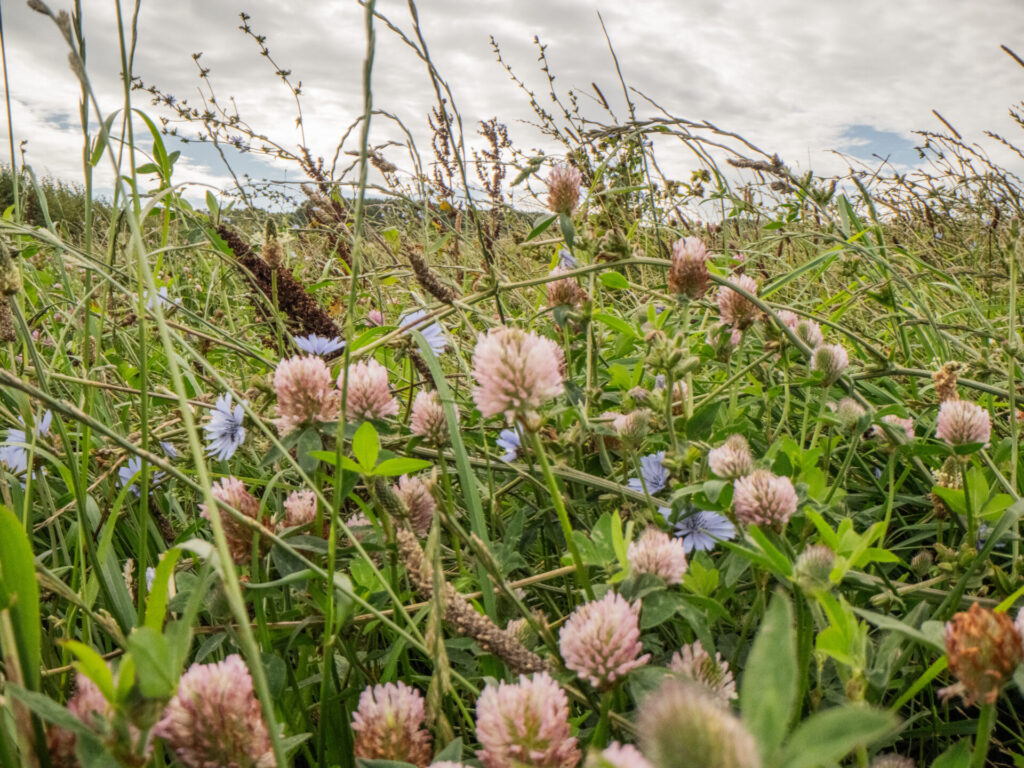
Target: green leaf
point(154, 665)
point(400, 466)
point(658, 607)
point(539, 225)
point(616, 324)
point(330, 457)
point(769, 689)
point(309, 442)
point(826, 737)
point(957, 756)
point(20, 590)
point(156, 603)
point(452, 752)
point(366, 446)
point(148, 168)
point(93, 666)
point(614, 280)
point(48, 709)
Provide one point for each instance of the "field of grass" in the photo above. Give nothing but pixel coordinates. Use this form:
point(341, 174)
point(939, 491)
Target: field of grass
point(396, 472)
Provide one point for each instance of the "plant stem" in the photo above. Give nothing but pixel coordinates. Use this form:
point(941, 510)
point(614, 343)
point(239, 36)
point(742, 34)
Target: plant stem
point(560, 510)
point(985, 722)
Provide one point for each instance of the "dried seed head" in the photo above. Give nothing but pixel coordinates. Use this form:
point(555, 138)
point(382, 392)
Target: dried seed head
point(946, 379)
point(984, 649)
point(688, 275)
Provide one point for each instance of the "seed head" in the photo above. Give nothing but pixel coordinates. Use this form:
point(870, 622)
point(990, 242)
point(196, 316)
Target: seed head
point(946, 379)
point(732, 459)
point(735, 309)
point(657, 553)
point(601, 640)
point(389, 725)
point(215, 720)
point(564, 189)
point(231, 491)
point(762, 498)
point(632, 427)
point(525, 723)
point(962, 422)
point(984, 648)
point(369, 393)
point(417, 495)
point(516, 373)
point(688, 275)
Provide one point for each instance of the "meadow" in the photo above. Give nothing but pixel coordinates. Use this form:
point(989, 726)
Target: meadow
point(511, 460)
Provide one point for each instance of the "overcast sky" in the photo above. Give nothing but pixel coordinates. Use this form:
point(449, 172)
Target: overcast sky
point(797, 77)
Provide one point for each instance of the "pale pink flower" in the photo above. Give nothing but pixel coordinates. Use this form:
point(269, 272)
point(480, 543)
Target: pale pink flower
point(232, 492)
point(805, 329)
point(762, 498)
point(304, 393)
point(904, 425)
point(657, 553)
point(299, 508)
point(565, 292)
point(601, 640)
point(617, 755)
point(732, 459)
point(375, 317)
point(525, 724)
point(389, 725)
point(685, 719)
point(564, 189)
point(369, 393)
point(831, 360)
point(962, 422)
point(417, 495)
point(735, 309)
point(428, 419)
point(688, 274)
point(516, 373)
point(215, 720)
point(692, 662)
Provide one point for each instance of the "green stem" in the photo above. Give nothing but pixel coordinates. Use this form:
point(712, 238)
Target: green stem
point(985, 722)
point(560, 510)
point(600, 738)
point(972, 526)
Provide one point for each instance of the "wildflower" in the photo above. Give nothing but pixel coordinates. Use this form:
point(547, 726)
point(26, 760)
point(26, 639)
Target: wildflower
point(516, 373)
point(428, 419)
point(682, 718)
point(567, 260)
point(617, 755)
point(831, 360)
point(13, 451)
point(369, 393)
point(231, 492)
point(319, 345)
point(632, 427)
point(169, 450)
point(304, 393)
point(688, 274)
point(962, 422)
point(899, 424)
point(762, 498)
point(653, 475)
point(417, 495)
point(658, 554)
point(299, 508)
point(984, 648)
point(153, 299)
point(214, 718)
point(565, 292)
point(375, 317)
point(700, 530)
point(389, 725)
point(433, 333)
point(224, 431)
point(601, 640)
point(510, 442)
point(849, 413)
point(805, 329)
point(564, 189)
point(129, 470)
point(813, 568)
point(732, 459)
point(525, 723)
point(693, 663)
point(892, 760)
point(946, 379)
point(736, 309)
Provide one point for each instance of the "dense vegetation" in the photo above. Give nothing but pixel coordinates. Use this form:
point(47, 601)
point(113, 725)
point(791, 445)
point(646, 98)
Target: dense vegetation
point(401, 472)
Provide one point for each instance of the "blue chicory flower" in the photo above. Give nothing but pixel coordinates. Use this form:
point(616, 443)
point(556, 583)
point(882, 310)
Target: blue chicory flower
point(13, 451)
point(224, 430)
point(655, 476)
point(701, 529)
point(567, 260)
point(319, 345)
point(508, 441)
point(433, 333)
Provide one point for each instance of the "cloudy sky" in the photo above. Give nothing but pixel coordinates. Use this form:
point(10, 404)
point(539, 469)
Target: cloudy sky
point(799, 77)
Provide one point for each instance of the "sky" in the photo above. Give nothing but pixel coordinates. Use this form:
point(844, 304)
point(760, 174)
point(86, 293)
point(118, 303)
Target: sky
point(804, 79)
